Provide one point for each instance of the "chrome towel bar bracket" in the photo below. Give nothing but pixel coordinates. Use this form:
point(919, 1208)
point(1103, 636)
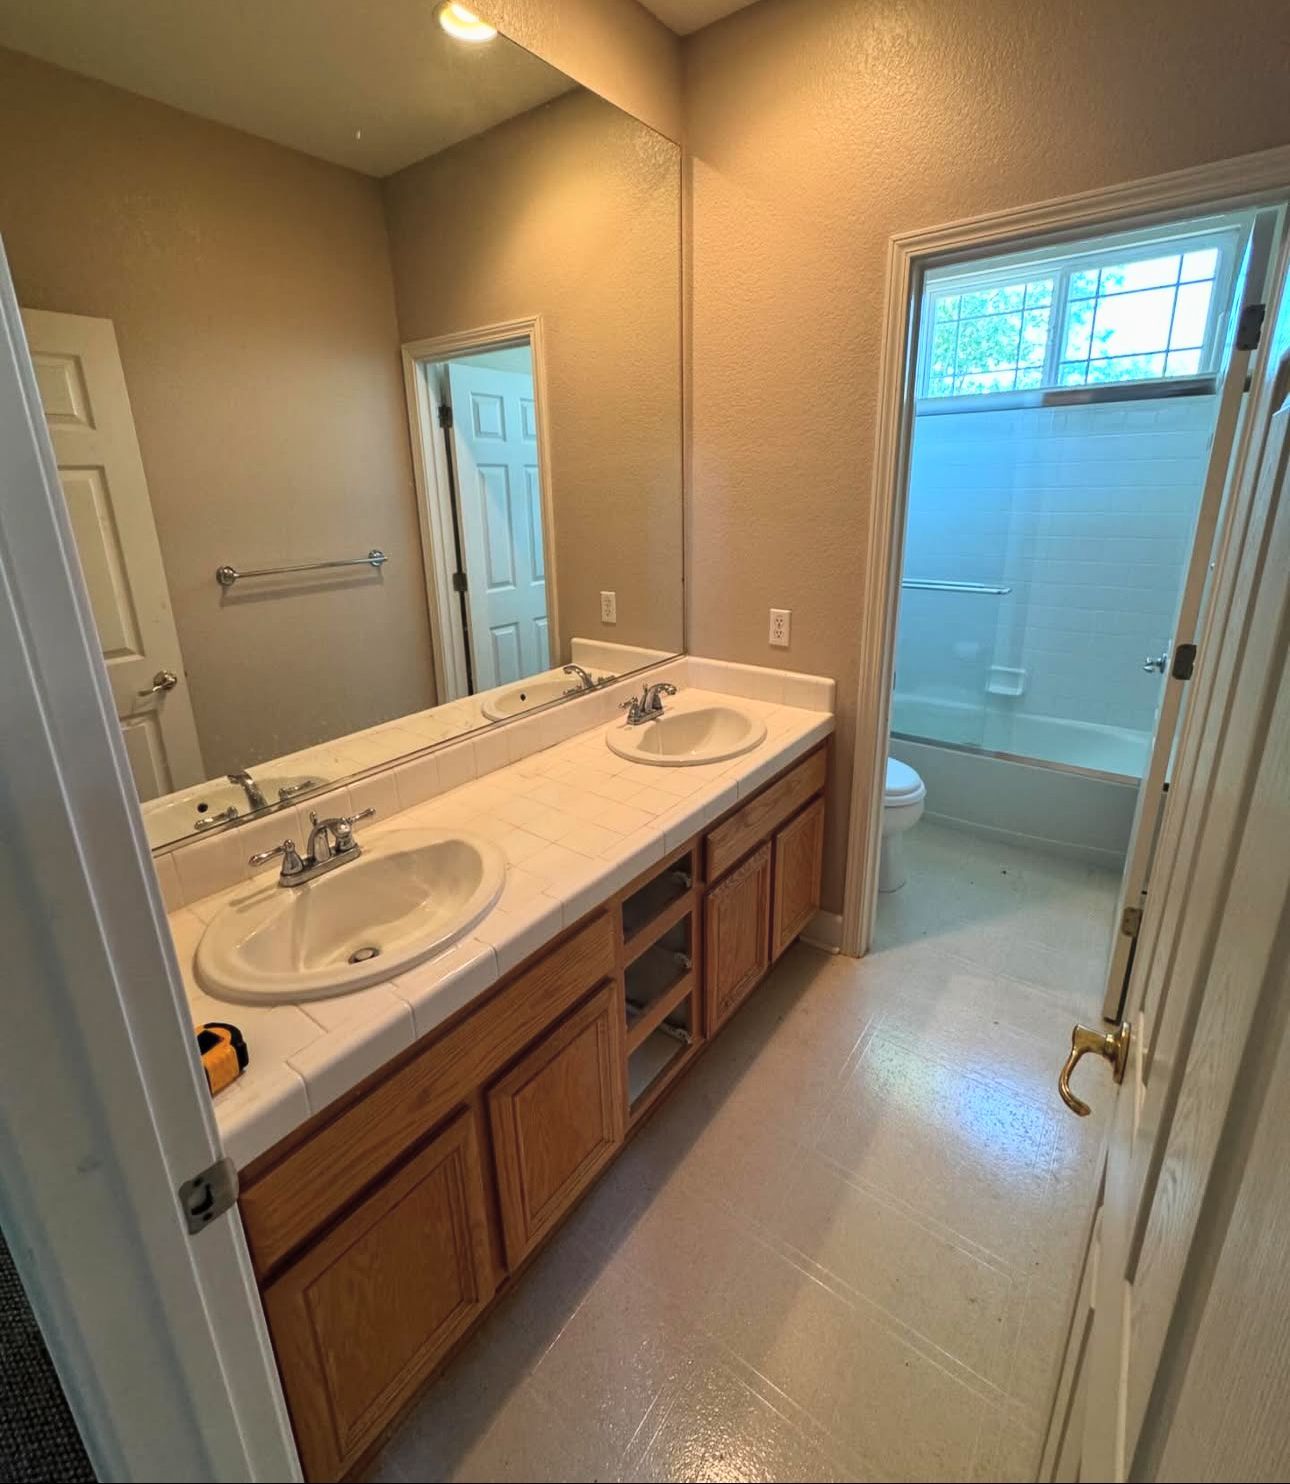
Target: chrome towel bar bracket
point(226, 576)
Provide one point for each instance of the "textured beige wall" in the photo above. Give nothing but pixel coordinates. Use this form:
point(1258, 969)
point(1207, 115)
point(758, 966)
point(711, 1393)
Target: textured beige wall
point(817, 130)
point(572, 211)
point(614, 46)
point(251, 292)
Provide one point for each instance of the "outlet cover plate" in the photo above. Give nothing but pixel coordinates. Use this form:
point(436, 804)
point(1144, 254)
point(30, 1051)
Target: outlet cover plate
point(609, 608)
point(781, 627)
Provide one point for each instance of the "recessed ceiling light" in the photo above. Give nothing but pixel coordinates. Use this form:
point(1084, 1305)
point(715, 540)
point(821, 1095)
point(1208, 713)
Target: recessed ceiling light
point(464, 24)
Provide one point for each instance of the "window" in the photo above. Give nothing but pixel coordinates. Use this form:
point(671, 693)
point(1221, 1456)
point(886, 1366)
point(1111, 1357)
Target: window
point(1146, 312)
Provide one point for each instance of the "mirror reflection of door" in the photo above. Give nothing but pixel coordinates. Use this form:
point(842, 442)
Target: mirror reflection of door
point(82, 389)
point(494, 442)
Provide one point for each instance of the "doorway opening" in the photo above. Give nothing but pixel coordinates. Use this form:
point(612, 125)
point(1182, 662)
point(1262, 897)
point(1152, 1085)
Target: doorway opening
point(488, 537)
point(1072, 413)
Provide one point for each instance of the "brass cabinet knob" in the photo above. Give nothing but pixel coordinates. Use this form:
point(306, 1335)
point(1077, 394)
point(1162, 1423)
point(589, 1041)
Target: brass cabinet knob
point(1113, 1045)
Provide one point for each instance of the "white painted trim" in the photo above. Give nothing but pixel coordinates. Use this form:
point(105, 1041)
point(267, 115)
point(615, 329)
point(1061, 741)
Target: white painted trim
point(1227, 184)
point(432, 487)
point(824, 931)
point(158, 1338)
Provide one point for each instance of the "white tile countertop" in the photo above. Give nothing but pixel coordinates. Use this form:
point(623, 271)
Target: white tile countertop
point(576, 824)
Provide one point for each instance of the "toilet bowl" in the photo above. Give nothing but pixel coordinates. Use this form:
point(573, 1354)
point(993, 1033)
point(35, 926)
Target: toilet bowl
point(902, 807)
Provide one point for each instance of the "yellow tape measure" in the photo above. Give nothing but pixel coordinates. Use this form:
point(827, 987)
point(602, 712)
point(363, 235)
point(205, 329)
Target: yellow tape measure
point(223, 1052)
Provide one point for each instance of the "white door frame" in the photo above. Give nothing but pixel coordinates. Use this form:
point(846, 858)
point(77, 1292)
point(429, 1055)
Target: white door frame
point(1249, 180)
point(434, 511)
point(158, 1336)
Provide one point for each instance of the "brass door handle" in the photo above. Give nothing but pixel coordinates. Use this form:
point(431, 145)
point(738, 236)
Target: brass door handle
point(161, 681)
point(1113, 1045)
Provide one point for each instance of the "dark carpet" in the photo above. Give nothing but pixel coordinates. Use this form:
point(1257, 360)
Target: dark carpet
point(38, 1438)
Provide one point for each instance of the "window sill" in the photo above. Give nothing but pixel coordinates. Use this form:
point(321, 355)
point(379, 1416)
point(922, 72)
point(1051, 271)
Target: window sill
point(1069, 396)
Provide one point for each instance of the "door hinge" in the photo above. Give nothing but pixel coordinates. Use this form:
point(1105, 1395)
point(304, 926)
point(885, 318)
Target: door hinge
point(1131, 921)
point(208, 1195)
point(459, 582)
point(1249, 328)
point(1184, 661)
point(445, 414)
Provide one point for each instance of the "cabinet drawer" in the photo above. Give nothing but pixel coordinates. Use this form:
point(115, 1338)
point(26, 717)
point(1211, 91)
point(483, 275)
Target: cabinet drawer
point(557, 1117)
point(736, 932)
point(798, 864)
point(751, 824)
point(292, 1199)
point(362, 1318)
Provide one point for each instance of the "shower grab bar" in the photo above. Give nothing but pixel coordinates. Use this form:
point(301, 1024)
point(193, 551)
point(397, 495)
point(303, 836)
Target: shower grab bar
point(952, 587)
point(226, 576)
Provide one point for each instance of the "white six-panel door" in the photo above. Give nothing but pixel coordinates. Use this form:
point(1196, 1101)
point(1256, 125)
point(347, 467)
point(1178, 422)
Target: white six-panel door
point(1209, 942)
point(1251, 289)
point(500, 500)
point(83, 392)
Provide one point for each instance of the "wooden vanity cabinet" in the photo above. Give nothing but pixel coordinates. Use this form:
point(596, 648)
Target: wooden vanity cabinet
point(557, 1118)
point(381, 1229)
point(362, 1318)
point(736, 915)
point(798, 866)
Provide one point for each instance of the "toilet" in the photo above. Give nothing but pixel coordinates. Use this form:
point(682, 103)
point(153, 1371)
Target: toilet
point(902, 807)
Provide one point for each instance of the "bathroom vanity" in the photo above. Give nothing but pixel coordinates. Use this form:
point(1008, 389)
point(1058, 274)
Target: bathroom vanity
point(383, 1227)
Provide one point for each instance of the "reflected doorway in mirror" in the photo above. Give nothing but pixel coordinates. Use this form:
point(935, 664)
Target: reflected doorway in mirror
point(485, 503)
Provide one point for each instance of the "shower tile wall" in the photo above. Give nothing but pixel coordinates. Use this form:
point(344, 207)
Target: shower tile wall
point(1087, 513)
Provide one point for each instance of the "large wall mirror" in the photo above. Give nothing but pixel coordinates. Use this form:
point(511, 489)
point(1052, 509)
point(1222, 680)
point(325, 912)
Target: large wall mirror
point(360, 349)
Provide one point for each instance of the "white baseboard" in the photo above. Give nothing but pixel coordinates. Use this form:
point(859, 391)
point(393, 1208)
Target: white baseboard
point(824, 931)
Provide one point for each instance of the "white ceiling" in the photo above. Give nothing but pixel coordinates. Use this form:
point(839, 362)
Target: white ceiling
point(309, 74)
point(684, 16)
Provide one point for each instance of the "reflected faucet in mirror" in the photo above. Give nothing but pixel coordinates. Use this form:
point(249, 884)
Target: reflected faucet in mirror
point(585, 681)
point(254, 795)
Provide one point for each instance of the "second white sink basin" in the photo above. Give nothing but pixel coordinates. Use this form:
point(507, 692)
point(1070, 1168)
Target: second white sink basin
point(680, 738)
point(526, 695)
point(408, 896)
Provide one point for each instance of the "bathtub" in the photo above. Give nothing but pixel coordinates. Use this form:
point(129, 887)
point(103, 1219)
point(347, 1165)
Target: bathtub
point(1042, 781)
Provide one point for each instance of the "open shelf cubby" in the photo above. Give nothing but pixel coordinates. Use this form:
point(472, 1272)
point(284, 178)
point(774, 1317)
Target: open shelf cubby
point(655, 903)
point(659, 1053)
point(658, 979)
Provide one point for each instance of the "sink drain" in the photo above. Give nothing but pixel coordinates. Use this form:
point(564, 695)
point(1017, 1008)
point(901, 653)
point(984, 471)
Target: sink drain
point(361, 955)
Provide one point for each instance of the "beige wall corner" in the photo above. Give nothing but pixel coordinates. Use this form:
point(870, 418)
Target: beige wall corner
point(265, 384)
point(615, 47)
point(816, 132)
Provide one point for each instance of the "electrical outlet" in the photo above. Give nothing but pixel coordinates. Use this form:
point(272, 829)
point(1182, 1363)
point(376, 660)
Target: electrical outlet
point(609, 608)
point(781, 626)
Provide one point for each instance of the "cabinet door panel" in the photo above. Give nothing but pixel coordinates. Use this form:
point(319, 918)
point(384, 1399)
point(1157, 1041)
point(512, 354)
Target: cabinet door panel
point(736, 919)
point(799, 861)
point(557, 1117)
point(363, 1316)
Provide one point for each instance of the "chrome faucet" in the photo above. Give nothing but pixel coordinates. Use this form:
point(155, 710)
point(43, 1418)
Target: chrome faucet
point(585, 682)
point(648, 706)
point(331, 843)
point(254, 795)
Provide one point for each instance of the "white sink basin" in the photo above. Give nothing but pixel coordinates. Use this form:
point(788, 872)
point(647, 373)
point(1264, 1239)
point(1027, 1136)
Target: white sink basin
point(681, 738)
point(408, 896)
point(529, 694)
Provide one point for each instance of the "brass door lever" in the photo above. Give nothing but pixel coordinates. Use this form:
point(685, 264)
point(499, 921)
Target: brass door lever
point(1113, 1045)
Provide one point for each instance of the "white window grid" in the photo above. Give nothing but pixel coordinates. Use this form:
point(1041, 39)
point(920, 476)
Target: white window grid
point(1227, 241)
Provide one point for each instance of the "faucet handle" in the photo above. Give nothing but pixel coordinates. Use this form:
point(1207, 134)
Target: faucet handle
point(345, 830)
point(291, 862)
